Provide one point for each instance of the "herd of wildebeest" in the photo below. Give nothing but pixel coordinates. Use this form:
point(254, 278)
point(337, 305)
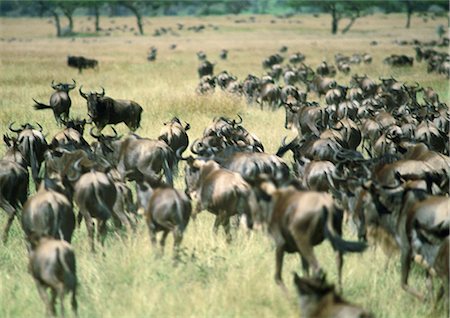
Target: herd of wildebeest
point(373, 154)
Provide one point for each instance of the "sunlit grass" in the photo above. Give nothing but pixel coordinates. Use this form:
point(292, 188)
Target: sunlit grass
point(213, 278)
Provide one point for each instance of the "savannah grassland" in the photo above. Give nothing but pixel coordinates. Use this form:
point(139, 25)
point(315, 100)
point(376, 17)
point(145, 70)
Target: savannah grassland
point(213, 278)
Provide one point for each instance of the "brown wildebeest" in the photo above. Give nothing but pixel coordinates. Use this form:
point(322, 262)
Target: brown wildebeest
point(299, 220)
point(168, 211)
point(95, 195)
point(48, 213)
point(319, 300)
point(221, 191)
point(52, 265)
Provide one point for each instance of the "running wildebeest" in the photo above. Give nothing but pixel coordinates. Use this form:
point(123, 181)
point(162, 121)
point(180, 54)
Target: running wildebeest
point(104, 110)
point(52, 265)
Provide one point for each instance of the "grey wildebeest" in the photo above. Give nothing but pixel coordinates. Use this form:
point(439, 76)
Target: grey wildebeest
point(95, 195)
point(145, 158)
point(48, 213)
point(13, 190)
point(205, 68)
point(220, 191)
point(104, 110)
point(52, 265)
point(299, 220)
point(174, 135)
point(169, 210)
point(32, 145)
point(81, 62)
point(60, 101)
point(319, 300)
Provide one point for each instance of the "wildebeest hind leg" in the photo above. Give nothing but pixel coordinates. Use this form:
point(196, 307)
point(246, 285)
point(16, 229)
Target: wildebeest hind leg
point(163, 241)
point(339, 264)
point(279, 255)
point(44, 296)
point(90, 229)
point(7, 227)
point(306, 250)
point(305, 265)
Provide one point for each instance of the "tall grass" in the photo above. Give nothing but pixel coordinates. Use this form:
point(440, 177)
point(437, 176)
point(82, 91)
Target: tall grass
point(213, 278)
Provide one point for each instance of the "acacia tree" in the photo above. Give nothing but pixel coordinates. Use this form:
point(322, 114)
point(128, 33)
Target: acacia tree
point(136, 7)
point(338, 9)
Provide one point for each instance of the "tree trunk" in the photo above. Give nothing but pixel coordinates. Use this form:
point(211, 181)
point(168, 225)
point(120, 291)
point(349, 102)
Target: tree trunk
point(97, 18)
point(138, 16)
point(349, 25)
point(57, 23)
point(409, 12)
point(335, 20)
point(68, 13)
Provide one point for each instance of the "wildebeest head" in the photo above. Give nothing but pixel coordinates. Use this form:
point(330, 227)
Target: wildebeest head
point(92, 99)
point(64, 87)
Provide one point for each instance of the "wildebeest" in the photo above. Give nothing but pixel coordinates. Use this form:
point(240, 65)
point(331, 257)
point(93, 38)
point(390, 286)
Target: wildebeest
point(168, 211)
point(52, 265)
point(71, 136)
point(205, 68)
point(81, 62)
point(32, 145)
point(48, 213)
point(60, 101)
point(143, 158)
point(95, 195)
point(319, 300)
point(13, 190)
point(299, 220)
point(220, 191)
point(104, 110)
point(175, 136)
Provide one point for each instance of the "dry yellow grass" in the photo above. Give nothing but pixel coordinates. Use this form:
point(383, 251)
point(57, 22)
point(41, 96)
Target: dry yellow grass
point(214, 279)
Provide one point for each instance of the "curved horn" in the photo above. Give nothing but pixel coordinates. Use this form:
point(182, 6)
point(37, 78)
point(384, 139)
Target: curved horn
point(40, 127)
point(72, 86)
point(193, 147)
point(14, 130)
point(76, 167)
point(91, 132)
point(240, 120)
point(53, 85)
point(115, 133)
point(103, 91)
point(81, 92)
point(178, 154)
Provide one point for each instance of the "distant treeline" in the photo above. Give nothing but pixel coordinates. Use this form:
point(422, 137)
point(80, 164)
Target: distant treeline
point(15, 8)
point(338, 9)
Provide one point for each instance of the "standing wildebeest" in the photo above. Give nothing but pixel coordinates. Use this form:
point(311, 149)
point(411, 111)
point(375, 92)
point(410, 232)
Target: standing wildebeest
point(95, 195)
point(13, 190)
point(60, 101)
point(48, 213)
point(80, 62)
point(205, 68)
point(319, 300)
point(169, 210)
point(104, 110)
point(52, 265)
point(299, 220)
point(32, 145)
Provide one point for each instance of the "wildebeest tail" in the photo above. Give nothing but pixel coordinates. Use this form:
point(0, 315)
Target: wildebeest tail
point(32, 160)
point(66, 259)
point(102, 211)
point(338, 243)
point(39, 106)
